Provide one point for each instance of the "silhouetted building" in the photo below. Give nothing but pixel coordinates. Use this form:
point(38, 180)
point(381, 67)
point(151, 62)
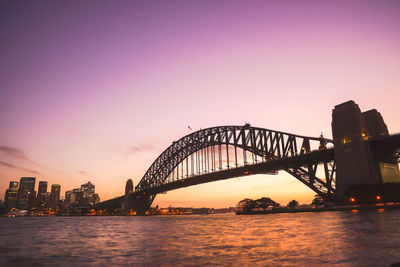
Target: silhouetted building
point(13, 186)
point(67, 198)
point(83, 196)
point(11, 196)
point(75, 197)
point(26, 193)
point(88, 193)
point(42, 196)
point(54, 196)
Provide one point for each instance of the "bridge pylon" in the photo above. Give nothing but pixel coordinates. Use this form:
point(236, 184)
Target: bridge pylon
point(356, 163)
point(138, 203)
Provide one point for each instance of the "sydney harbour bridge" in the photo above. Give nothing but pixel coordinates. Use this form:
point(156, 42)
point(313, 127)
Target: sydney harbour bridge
point(362, 152)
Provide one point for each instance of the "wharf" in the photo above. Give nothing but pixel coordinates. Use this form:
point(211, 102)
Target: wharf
point(335, 208)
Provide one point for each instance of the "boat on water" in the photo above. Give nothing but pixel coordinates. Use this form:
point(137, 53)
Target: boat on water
point(17, 213)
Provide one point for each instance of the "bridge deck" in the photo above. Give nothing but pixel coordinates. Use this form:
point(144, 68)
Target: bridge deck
point(258, 168)
point(314, 157)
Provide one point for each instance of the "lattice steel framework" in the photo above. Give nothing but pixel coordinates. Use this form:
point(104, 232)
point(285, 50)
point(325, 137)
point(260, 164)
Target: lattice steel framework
point(227, 147)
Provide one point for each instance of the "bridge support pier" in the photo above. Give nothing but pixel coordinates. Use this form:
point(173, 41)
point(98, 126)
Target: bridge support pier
point(139, 204)
point(136, 203)
point(356, 163)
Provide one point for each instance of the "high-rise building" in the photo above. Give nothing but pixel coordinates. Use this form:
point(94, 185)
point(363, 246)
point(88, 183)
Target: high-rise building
point(13, 186)
point(83, 196)
point(68, 196)
point(42, 195)
point(88, 193)
point(54, 196)
point(76, 197)
point(11, 196)
point(26, 193)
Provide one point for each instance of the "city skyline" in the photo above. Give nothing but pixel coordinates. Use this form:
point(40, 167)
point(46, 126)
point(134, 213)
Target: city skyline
point(22, 196)
point(97, 92)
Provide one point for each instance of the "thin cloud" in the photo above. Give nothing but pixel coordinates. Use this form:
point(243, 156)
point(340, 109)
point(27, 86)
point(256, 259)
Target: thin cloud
point(16, 153)
point(9, 165)
point(82, 172)
point(131, 150)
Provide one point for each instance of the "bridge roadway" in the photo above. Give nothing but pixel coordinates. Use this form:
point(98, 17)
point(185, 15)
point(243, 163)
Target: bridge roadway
point(311, 158)
point(384, 146)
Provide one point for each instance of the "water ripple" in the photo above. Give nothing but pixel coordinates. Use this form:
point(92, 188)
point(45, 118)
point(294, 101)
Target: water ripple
point(365, 238)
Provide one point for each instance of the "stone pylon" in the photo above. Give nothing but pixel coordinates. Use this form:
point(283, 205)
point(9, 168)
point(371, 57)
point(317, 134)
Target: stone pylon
point(355, 162)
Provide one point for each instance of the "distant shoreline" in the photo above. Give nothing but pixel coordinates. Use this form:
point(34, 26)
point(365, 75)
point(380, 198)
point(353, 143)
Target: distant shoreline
point(337, 208)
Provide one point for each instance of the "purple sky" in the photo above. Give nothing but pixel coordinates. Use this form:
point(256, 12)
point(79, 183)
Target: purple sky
point(96, 90)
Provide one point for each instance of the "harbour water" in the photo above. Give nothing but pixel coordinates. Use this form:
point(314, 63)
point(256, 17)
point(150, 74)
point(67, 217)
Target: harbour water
point(341, 238)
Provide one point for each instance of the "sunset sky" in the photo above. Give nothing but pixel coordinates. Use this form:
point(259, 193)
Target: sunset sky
point(96, 90)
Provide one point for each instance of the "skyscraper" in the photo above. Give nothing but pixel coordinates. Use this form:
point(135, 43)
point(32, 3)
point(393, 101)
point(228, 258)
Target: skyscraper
point(54, 196)
point(88, 193)
point(11, 196)
point(13, 186)
point(26, 192)
point(42, 195)
point(68, 196)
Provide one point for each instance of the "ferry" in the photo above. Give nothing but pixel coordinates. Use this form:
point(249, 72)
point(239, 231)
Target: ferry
point(17, 213)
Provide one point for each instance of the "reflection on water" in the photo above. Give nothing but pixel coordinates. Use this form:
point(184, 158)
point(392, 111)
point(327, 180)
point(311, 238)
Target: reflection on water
point(365, 238)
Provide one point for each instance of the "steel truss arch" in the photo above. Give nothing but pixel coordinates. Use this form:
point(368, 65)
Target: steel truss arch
point(268, 145)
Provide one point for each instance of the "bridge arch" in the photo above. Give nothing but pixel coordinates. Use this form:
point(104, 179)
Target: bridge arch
point(201, 153)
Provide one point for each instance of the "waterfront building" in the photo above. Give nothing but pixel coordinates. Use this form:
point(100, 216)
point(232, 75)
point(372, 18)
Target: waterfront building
point(42, 197)
point(67, 198)
point(26, 193)
point(11, 196)
point(54, 196)
point(76, 197)
point(31, 201)
point(83, 196)
point(88, 193)
point(13, 186)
